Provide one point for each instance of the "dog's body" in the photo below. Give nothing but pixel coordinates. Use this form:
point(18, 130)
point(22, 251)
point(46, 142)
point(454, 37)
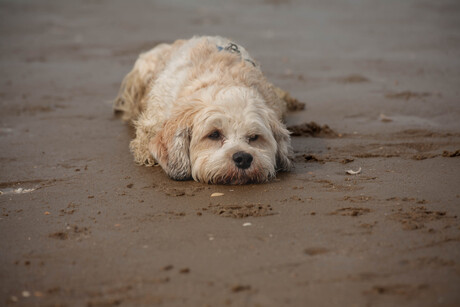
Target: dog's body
point(202, 109)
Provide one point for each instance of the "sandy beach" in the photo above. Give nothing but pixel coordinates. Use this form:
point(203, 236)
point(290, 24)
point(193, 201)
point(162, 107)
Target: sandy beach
point(82, 225)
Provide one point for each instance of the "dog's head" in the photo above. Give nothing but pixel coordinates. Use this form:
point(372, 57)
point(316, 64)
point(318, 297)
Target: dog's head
point(236, 139)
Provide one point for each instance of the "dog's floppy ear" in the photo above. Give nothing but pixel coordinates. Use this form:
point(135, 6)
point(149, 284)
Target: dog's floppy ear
point(281, 135)
point(171, 146)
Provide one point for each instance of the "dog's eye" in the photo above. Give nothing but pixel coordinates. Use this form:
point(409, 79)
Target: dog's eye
point(253, 138)
point(215, 135)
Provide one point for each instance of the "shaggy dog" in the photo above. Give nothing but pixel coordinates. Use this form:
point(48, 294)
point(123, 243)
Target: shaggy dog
point(202, 109)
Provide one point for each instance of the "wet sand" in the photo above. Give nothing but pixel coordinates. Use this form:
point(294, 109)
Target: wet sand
point(82, 225)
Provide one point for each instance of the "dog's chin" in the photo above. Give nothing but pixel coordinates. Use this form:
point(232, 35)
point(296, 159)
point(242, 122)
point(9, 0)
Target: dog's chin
point(239, 176)
point(236, 176)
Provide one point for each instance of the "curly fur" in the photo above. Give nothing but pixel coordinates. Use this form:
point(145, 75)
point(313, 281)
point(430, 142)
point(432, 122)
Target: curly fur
point(178, 94)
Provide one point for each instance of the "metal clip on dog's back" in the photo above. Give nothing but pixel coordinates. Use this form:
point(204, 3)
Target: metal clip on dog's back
point(232, 48)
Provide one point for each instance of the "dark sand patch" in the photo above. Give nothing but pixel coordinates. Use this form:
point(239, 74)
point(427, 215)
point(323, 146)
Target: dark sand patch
point(292, 103)
point(308, 158)
point(358, 198)
point(312, 129)
point(422, 133)
point(241, 210)
point(417, 217)
point(450, 154)
point(240, 288)
point(313, 251)
point(331, 186)
point(432, 262)
point(407, 95)
point(420, 157)
point(177, 189)
point(351, 211)
point(407, 150)
point(353, 78)
point(405, 290)
point(71, 232)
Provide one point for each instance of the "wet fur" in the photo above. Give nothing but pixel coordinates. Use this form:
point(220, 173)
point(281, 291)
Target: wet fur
point(177, 92)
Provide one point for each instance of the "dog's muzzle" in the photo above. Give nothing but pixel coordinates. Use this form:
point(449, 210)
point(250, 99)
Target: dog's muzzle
point(242, 159)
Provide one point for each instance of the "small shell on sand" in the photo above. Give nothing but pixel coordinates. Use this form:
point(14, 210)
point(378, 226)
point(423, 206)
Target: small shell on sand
point(352, 172)
point(16, 191)
point(217, 194)
point(21, 191)
point(385, 118)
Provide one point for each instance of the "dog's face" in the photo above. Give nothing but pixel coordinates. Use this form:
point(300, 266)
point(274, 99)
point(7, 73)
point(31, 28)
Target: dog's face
point(235, 139)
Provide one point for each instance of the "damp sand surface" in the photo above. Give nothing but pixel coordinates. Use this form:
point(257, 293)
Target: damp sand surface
point(83, 225)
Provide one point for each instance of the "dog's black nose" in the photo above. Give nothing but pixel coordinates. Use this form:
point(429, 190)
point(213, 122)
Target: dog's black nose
point(242, 159)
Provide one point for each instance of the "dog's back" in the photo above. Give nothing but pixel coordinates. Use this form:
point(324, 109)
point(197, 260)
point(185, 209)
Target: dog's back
point(165, 67)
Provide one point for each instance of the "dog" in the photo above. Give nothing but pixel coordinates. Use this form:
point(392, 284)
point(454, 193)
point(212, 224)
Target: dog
point(202, 109)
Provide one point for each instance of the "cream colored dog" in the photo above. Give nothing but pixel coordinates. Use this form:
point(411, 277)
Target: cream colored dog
point(202, 109)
